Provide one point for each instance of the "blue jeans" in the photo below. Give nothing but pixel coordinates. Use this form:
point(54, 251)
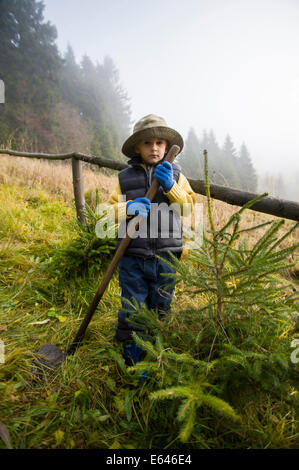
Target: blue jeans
point(140, 278)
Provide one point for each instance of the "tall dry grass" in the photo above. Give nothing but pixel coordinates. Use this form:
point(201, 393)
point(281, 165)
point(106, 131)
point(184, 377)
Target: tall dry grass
point(56, 177)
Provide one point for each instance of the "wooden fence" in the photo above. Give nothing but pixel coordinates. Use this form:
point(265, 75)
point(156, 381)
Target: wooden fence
point(268, 205)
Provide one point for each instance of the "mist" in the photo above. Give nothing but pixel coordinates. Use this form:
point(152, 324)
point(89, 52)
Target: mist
point(230, 66)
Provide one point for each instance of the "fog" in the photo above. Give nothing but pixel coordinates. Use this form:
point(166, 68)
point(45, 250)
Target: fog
point(227, 65)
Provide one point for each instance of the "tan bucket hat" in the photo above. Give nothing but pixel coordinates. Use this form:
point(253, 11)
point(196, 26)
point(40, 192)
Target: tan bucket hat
point(151, 126)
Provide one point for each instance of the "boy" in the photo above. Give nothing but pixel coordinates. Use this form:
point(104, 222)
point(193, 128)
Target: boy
point(139, 269)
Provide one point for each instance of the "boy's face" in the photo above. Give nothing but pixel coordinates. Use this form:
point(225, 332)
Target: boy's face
point(151, 150)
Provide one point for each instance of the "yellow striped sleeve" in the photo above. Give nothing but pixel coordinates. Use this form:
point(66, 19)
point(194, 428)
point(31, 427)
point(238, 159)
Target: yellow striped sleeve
point(119, 205)
point(182, 194)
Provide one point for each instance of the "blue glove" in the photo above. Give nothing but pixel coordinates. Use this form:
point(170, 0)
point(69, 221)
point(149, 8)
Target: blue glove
point(141, 206)
point(164, 175)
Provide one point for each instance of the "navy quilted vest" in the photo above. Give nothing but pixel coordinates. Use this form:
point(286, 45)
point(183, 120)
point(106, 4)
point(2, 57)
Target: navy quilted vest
point(161, 230)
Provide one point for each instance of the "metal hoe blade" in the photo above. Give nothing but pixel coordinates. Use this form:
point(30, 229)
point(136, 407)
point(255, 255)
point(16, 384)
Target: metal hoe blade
point(49, 359)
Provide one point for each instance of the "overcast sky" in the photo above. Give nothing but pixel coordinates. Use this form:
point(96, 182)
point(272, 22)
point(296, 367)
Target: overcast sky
point(227, 65)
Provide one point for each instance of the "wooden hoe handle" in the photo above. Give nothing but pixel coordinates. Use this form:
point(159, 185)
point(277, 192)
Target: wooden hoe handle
point(170, 157)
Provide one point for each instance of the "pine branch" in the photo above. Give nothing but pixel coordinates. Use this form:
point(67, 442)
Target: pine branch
point(245, 206)
point(229, 244)
point(266, 238)
point(172, 392)
point(218, 405)
point(184, 409)
point(256, 227)
point(187, 428)
point(285, 236)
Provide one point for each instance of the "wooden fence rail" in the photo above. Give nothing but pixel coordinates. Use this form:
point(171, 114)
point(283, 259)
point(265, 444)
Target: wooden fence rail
point(268, 205)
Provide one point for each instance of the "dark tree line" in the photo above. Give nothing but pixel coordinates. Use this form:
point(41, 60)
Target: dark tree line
point(227, 166)
point(52, 103)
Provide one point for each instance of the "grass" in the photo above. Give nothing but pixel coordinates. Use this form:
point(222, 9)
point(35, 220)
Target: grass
point(93, 400)
point(37, 308)
point(55, 176)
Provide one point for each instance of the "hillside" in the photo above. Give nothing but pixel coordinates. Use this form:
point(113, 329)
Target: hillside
point(93, 401)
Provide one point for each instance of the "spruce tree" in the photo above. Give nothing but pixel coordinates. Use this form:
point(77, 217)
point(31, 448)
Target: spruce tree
point(71, 81)
point(247, 173)
point(228, 165)
point(190, 158)
point(210, 143)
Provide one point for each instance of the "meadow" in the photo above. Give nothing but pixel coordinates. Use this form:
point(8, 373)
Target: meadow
point(94, 400)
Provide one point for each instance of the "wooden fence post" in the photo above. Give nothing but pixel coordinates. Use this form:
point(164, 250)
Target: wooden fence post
point(78, 189)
